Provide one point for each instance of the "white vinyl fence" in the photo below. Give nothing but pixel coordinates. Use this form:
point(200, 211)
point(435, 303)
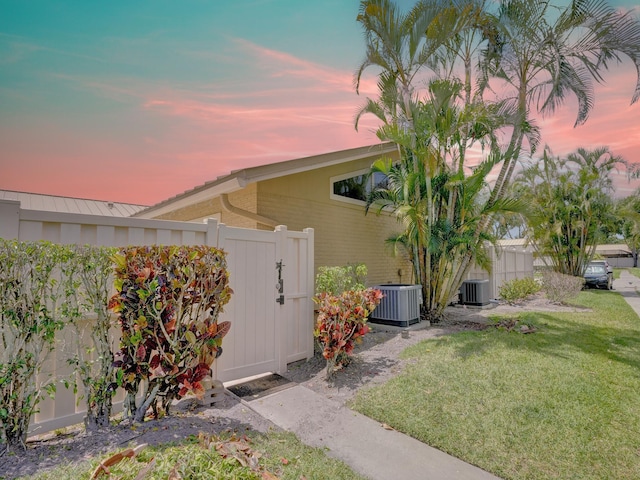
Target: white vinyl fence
point(271, 274)
point(509, 263)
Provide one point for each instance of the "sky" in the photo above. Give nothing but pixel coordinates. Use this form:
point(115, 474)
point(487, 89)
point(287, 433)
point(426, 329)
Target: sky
point(139, 101)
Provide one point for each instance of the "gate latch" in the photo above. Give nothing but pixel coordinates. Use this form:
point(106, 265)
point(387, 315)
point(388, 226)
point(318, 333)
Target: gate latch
point(280, 285)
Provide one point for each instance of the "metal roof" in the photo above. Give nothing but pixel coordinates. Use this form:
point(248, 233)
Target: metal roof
point(54, 203)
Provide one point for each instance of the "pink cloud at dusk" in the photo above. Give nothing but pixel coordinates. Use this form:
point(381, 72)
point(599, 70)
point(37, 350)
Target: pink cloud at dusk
point(134, 106)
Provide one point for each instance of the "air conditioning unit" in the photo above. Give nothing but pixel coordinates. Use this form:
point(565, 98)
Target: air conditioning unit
point(475, 292)
point(400, 305)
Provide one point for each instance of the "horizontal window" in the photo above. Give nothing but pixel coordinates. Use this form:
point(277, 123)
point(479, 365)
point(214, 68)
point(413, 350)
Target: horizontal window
point(356, 186)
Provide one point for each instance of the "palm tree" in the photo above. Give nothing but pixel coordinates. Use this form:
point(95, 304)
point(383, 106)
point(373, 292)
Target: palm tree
point(571, 205)
point(539, 54)
point(536, 53)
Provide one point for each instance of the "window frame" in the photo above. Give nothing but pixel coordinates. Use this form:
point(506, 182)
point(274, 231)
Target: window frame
point(345, 176)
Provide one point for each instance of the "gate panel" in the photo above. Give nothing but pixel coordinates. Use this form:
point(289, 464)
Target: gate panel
point(299, 285)
point(253, 344)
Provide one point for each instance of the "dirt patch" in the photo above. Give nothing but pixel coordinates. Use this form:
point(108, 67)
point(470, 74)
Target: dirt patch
point(375, 361)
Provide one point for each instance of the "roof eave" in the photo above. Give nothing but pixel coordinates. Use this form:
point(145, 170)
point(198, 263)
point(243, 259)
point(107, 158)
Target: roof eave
point(197, 195)
point(241, 178)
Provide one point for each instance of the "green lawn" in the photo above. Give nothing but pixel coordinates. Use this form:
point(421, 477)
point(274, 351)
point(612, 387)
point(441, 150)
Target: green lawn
point(278, 454)
point(561, 403)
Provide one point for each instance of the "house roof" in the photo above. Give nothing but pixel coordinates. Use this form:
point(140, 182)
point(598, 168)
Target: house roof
point(239, 179)
point(54, 203)
point(613, 249)
point(512, 242)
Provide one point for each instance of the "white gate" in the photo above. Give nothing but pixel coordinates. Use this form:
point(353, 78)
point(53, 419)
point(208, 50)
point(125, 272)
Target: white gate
point(254, 344)
point(265, 335)
point(270, 274)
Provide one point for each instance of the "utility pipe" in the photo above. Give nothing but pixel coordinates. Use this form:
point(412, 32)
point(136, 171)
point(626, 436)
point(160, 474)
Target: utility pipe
point(224, 200)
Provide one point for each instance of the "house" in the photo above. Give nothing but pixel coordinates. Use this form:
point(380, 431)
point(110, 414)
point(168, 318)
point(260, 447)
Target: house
point(323, 192)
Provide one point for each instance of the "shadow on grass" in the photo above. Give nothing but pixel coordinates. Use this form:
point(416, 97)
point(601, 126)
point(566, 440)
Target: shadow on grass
point(558, 335)
point(77, 446)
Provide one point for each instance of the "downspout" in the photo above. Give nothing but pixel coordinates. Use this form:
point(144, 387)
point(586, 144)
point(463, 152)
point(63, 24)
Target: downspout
point(226, 205)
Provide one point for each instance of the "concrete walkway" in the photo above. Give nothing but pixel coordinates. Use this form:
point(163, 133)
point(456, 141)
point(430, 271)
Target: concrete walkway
point(360, 442)
point(628, 286)
point(364, 444)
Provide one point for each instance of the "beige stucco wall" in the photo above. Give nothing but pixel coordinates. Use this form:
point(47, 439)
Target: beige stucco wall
point(245, 199)
point(343, 234)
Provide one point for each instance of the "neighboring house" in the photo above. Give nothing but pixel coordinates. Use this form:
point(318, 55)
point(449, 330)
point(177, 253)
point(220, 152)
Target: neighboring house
point(323, 192)
point(55, 203)
point(618, 255)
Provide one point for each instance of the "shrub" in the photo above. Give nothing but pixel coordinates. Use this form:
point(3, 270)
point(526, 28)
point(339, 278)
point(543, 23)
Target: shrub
point(335, 280)
point(31, 298)
point(518, 289)
point(344, 306)
point(341, 321)
point(168, 300)
point(559, 288)
point(89, 284)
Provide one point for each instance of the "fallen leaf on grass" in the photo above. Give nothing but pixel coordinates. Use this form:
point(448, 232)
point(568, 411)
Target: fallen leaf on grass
point(103, 468)
point(174, 475)
point(269, 476)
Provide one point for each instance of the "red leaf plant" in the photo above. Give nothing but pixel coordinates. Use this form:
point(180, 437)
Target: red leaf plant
point(341, 322)
point(168, 300)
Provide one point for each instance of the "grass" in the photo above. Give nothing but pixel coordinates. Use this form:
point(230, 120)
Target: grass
point(561, 403)
point(280, 455)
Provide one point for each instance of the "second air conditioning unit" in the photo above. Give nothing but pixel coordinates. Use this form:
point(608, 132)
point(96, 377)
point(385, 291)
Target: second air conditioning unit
point(475, 292)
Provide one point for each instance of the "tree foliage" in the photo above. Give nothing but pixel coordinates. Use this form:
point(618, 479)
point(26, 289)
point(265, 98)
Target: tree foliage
point(571, 206)
point(440, 66)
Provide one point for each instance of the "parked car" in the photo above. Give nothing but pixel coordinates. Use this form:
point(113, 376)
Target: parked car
point(597, 275)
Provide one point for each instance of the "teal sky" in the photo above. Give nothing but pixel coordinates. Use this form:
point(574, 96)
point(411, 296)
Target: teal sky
point(139, 101)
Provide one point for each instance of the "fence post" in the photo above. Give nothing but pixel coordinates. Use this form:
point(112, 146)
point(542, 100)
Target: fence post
point(311, 289)
point(212, 232)
point(10, 219)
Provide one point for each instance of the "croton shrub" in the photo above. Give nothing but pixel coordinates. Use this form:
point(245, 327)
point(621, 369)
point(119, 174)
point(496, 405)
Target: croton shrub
point(342, 316)
point(168, 299)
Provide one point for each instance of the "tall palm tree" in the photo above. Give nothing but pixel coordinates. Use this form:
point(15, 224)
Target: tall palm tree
point(539, 54)
point(571, 205)
point(536, 53)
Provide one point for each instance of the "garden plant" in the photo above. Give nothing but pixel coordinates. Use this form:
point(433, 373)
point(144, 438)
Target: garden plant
point(32, 300)
point(89, 283)
point(342, 315)
point(168, 300)
point(519, 289)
